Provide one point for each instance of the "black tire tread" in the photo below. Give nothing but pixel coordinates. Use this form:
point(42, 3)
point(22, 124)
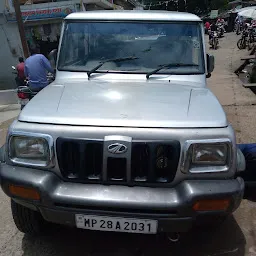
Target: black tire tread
point(240, 44)
point(26, 220)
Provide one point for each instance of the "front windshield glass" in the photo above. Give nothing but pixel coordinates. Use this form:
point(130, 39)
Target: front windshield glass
point(86, 44)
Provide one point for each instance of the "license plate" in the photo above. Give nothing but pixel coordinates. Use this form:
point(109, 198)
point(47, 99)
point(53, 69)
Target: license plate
point(116, 224)
point(23, 101)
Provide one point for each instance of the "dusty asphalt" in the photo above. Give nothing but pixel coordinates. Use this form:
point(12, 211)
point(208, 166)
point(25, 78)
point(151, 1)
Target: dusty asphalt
point(236, 237)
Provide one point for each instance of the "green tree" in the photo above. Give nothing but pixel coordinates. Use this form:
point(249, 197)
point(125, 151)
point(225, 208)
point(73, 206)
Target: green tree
point(193, 6)
point(219, 4)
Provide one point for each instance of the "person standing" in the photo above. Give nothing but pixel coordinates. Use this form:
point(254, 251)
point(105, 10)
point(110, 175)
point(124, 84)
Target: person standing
point(20, 72)
point(36, 68)
point(207, 26)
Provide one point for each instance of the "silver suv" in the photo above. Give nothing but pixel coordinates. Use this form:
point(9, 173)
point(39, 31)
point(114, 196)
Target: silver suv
point(128, 138)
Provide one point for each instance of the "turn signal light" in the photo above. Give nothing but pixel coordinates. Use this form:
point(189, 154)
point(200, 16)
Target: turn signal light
point(211, 205)
point(26, 193)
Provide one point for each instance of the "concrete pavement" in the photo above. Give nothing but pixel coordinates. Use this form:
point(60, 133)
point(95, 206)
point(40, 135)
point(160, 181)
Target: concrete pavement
point(238, 102)
point(8, 112)
point(8, 97)
point(236, 237)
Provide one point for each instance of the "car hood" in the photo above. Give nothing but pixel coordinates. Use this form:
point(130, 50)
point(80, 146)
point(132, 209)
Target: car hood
point(125, 104)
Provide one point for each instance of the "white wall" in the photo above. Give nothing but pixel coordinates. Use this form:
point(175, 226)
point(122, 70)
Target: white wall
point(10, 50)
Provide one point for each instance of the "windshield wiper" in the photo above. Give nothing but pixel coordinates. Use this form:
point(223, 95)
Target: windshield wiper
point(170, 65)
point(110, 60)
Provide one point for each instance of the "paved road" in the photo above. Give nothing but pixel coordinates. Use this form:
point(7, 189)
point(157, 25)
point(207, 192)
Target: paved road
point(8, 97)
point(237, 236)
point(8, 111)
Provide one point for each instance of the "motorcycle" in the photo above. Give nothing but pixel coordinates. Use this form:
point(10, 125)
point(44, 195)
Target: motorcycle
point(24, 93)
point(23, 98)
point(220, 30)
point(251, 38)
point(214, 41)
point(242, 42)
point(238, 28)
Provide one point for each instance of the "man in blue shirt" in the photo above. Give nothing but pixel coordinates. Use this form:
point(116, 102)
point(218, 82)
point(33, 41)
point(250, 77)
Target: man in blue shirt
point(36, 68)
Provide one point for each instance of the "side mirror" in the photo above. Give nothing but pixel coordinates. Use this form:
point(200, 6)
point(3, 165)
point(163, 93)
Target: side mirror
point(210, 64)
point(53, 58)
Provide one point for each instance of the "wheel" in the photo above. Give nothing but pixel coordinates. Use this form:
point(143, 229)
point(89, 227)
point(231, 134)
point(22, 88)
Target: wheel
point(27, 221)
point(249, 46)
point(241, 44)
point(215, 44)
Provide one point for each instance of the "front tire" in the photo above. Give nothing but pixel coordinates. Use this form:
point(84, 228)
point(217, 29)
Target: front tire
point(250, 44)
point(27, 221)
point(215, 44)
point(241, 44)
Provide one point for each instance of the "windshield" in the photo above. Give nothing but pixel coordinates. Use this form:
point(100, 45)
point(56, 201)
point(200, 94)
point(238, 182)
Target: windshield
point(86, 45)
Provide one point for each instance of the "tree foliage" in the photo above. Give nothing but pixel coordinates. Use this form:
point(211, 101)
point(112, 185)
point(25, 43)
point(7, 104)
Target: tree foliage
point(219, 4)
point(193, 6)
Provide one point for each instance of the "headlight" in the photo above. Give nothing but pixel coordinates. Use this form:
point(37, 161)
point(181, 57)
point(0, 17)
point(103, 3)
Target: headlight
point(207, 154)
point(28, 150)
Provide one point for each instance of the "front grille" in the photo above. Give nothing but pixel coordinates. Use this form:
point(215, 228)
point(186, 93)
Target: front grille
point(154, 162)
point(80, 159)
point(147, 163)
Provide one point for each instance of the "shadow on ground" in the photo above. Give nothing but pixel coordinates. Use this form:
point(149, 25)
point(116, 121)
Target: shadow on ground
point(227, 239)
point(250, 194)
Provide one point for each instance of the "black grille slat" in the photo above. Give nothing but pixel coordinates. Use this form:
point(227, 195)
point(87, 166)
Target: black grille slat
point(140, 162)
point(93, 163)
point(82, 173)
point(71, 159)
point(116, 169)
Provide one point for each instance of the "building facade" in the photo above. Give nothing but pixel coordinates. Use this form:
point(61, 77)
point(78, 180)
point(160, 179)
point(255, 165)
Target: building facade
point(42, 22)
point(10, 50)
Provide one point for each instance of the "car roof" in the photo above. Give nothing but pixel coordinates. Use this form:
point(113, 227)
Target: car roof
point(134, 15)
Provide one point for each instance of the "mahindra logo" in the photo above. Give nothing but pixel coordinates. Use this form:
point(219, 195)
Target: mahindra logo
point(117, 148)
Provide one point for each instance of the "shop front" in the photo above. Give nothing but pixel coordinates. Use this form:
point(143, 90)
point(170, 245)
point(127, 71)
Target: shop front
point(43, 24)
point(45, 35)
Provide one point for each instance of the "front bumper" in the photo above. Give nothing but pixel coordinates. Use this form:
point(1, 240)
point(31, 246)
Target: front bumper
point(172, 207)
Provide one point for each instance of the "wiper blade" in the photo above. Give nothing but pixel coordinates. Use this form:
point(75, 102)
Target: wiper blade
point(170, 65)
point(110, 60)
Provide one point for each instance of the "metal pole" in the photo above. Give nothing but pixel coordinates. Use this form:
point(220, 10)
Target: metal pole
point(20, 24)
